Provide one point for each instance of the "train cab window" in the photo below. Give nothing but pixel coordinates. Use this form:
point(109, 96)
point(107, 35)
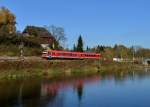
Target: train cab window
point(53, 53)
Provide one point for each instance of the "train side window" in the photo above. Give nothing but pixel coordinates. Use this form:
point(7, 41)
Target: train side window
point(67, 54)
point(49, 53)
point(73, 54)
point(60, 54)
point(64, 54)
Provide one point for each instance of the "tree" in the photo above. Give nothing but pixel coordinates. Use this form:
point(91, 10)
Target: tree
point(58, 33)
point(120, 51)
point(36, 31)
point(87, 49)
point(80, 44)
point(100, 49)
point(7, 22)
point(135, 50)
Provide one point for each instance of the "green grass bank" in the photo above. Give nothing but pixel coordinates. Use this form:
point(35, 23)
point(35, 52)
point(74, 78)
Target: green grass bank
point(60, 68)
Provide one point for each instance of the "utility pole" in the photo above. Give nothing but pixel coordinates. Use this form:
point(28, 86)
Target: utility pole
point(21, 46)
point(133, 55)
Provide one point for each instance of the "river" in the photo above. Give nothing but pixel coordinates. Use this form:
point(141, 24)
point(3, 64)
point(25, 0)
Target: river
point(101, 90)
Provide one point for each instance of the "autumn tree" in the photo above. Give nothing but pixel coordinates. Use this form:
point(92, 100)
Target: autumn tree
point(36, 31)
point(7, 21)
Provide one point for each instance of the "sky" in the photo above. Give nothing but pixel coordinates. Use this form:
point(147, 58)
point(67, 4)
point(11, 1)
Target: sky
point(103, 22)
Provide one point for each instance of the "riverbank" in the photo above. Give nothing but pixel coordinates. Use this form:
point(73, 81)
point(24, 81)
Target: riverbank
point(36, 67)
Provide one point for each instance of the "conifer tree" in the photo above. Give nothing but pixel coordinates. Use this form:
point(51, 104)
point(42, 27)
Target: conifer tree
point(80, 44)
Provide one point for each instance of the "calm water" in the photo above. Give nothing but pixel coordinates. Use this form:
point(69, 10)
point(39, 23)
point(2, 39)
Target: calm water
point(107, 90)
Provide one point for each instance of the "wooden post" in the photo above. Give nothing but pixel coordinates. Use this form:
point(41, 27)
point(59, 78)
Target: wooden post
point(99, 65)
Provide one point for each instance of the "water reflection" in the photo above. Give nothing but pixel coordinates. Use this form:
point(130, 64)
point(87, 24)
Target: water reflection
point(79, 87)
point(13, 93)
point(61, 93)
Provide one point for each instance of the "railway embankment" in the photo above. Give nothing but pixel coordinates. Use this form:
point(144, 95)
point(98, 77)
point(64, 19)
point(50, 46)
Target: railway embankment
point(13, 68)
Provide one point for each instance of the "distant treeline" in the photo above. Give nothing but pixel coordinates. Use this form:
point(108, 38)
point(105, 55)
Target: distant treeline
point(121, 51)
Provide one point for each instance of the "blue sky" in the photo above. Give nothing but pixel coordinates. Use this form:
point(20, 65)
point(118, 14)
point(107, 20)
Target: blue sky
point(104, 22)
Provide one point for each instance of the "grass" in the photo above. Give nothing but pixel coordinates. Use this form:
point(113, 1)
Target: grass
point(13, 50)
point(10, 50)
point(56, 69)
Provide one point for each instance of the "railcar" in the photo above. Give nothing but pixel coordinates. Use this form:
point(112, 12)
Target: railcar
point(56, 54)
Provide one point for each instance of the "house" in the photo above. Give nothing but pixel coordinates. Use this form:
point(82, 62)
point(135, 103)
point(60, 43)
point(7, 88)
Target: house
point(45, 38)
point(146, 62)
point(47, 41)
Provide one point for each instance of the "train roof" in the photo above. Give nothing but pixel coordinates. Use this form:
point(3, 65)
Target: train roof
point(72, 52)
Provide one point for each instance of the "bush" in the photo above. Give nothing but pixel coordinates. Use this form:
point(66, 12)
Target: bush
point(9, 45)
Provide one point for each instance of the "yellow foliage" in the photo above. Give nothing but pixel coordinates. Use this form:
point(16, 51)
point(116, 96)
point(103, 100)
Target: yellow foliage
point(8, 20)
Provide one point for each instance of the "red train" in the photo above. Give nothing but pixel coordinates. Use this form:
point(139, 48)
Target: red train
point(55, 54)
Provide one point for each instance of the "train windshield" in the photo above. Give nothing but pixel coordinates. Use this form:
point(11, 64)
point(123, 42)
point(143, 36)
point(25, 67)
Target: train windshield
point(45, 52)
